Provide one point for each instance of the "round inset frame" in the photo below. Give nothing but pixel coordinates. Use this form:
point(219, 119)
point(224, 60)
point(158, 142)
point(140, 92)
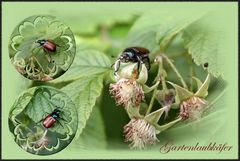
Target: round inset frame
point(43, 120)
point(42, 48)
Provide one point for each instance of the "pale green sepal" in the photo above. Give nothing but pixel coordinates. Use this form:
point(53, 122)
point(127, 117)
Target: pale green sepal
point(147, 89)
point(181, 92)
point(203, 90)
point(166, 126)
point(154, 116)
point(198, 81)
point(133, 112)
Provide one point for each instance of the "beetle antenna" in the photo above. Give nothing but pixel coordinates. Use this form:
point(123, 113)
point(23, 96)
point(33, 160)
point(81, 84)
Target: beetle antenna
point(148, 62)
point(63, 119)
point(139, 63)
point(60, 124)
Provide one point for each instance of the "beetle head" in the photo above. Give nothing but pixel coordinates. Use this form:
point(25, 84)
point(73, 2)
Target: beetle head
point(126, 56)
point(57, 111)
point(41, 42)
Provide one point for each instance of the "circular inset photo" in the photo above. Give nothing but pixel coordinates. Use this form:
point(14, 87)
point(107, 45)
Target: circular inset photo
point(42, 48)
point(43, 120)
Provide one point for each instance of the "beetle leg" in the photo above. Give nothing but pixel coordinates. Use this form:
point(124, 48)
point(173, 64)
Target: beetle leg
point(148, 63)
point(117, 66)
point(112, 65)
point(139, 64)
point(47, 55)
point(63, 119)
point(50, 60)
point(138, 67)
point(60, 124)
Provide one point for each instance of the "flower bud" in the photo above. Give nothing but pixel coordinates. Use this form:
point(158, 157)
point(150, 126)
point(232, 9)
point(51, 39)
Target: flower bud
point(130, 72)
point(193, 108)
point(42, 142)
point(166, 98)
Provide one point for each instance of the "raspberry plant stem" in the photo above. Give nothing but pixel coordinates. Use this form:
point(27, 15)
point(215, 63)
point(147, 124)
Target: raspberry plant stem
point(151, 102)
point(160, 75)
point(175, 70)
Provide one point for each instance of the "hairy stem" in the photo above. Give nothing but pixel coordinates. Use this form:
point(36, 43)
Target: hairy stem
point(161, 76)
point(176, 71)
point(151, 102)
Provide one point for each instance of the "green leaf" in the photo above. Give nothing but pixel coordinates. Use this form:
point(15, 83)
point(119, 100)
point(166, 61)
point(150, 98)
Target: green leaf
point(175, 24)
point(93, 135)
point(41, 98)
point(43, 103)
point(181, 92)
point(206, 41)
point(86, 63)
point(21, 102)
point(159, 28)
point(143, 37)
point(84, 93)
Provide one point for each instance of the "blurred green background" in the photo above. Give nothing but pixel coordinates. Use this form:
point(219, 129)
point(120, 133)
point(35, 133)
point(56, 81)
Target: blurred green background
point(108, 27)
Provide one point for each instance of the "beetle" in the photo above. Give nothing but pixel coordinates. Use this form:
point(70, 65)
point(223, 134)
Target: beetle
point(133, 54)
point(47, 45)
point(51, 119)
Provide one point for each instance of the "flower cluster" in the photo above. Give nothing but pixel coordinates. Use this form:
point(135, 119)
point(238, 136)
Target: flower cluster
point(129, 90)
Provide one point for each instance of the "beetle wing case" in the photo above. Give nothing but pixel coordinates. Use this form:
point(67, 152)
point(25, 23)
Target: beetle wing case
point(50, 46)
point(49, 121)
